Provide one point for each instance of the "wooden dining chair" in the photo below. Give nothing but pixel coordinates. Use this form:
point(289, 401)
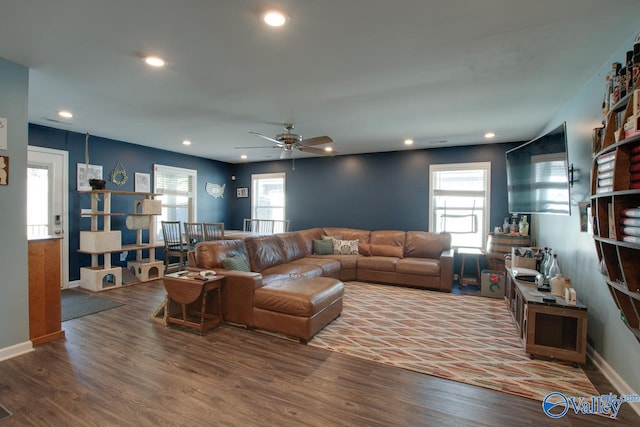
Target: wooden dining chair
point(213, 230)
point(261, 226)
point(193, 234)
point(174, 246)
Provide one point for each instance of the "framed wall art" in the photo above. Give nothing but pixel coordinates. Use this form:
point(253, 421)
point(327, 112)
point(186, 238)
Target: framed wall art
point(242, 192)
point(142, 182)
point(4, 170)
point(3, 133)
point(85, 174)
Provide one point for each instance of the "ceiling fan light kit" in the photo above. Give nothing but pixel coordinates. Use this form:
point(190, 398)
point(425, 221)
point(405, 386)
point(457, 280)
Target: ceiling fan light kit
point(289, 142)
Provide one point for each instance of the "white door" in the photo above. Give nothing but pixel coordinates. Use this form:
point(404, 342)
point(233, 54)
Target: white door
point(47, 207)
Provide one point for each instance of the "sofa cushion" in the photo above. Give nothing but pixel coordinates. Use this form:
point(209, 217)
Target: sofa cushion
point(293, 246)
point(378, 263)
point(264, 252)
point(362, 236)
point(322, 247)
point(345, 247)
point(346, 261)
point(387, 243)
point(299, 296)
point(307, 237)
point(422, 244)
point(211, 254)
point(236, 263)
point(329, 266)
point(419, 266)
point(291, 269)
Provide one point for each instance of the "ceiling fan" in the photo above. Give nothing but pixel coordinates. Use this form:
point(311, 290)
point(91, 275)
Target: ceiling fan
point(291, 141)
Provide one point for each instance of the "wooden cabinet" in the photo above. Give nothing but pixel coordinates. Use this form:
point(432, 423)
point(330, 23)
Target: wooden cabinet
point(555, 330)
point(615, 193)
point(45, 311)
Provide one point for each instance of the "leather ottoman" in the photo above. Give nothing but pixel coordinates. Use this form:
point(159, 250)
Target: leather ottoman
point(299, 306)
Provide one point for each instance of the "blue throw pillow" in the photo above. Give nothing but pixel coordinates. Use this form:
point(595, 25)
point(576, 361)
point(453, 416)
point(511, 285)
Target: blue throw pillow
point(235, 263)
point(322, 247)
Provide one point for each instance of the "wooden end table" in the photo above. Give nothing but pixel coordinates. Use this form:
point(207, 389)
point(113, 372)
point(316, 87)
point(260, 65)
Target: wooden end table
point(473, 255)
point(193, 295)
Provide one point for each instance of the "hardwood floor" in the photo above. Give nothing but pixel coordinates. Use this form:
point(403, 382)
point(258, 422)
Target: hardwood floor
point(119, 368)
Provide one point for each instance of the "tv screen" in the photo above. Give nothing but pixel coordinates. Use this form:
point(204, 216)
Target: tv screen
point(538, 175)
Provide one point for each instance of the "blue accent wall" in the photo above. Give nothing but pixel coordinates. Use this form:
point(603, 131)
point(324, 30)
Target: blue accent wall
point(370, 191)
point(134, 158)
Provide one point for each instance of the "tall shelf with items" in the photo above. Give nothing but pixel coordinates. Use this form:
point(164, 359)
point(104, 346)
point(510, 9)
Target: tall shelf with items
point(100, 241)
point(615, 189)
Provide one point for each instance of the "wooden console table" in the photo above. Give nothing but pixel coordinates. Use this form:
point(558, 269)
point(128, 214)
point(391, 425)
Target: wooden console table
point(555, 330)
point(193, 296)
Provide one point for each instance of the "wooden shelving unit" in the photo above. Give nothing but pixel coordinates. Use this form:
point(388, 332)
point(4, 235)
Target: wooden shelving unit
point(101, 242)
point(619, 259)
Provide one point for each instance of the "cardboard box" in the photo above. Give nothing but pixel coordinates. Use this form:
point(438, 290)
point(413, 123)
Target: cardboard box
point(492, 284)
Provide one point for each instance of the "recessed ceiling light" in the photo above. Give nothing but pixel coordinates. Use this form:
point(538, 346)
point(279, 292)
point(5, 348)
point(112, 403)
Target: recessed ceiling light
point(186, 142)
point(274, 18)
point(328, 149)
point(489, 135)
point(155, 61)
point(408, 141)
point(243, 157)
point(66, 114)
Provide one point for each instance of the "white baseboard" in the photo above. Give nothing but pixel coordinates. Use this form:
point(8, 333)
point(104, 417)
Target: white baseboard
point(15, 350)
point(620, 385)
point(74, 284)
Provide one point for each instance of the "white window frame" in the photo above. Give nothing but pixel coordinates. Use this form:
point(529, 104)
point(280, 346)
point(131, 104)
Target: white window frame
point(192, 194)
point(485, 224)
point(255, 196)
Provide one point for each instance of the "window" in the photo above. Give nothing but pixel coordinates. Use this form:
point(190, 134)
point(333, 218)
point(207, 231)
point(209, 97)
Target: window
point(267, 196)
point(459, 202)
point(177, 187)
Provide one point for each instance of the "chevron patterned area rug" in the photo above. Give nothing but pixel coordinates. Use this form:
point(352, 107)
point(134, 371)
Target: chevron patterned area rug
point(462, 338)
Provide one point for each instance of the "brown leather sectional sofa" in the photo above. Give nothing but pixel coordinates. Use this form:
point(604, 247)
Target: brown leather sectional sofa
point(295, 292)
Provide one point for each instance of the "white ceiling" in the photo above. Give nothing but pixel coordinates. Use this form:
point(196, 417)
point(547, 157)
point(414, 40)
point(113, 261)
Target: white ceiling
point(368, 73)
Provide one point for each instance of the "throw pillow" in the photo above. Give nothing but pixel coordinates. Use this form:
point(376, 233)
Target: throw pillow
point(345, 247)
point(235, 263)
point(322, 247)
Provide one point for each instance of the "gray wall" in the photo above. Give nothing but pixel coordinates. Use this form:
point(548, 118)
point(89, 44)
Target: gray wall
point(14, 289)
point(576, 251)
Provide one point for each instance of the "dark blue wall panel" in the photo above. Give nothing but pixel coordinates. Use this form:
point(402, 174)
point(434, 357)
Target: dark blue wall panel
point(134, 158)
point(370, 191)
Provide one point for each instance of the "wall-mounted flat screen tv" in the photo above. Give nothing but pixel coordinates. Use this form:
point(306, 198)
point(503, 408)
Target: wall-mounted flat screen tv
point(538, 175)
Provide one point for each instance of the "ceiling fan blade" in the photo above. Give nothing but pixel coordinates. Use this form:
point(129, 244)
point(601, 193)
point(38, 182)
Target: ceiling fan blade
point(316, 140)
point(315, 150)
point(262, 146)
point(268, 138)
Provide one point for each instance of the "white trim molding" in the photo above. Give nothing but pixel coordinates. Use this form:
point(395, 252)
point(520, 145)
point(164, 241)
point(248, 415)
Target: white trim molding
point(15, 350)
point(614, 378)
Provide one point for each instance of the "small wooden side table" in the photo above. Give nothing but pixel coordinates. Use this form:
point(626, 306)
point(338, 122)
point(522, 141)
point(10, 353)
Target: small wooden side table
point(193, 296)
point(473, 255)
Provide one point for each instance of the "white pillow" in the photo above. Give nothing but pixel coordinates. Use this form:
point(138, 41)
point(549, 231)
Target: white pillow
point(345, 247)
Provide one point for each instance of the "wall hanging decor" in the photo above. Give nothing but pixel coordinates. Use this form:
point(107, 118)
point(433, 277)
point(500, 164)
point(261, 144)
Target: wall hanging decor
point(87, 172)
point(118, 175)
point(142, 182)
point(4, 170)
point(3, 133)
point(215, 190)
point(242, 192)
